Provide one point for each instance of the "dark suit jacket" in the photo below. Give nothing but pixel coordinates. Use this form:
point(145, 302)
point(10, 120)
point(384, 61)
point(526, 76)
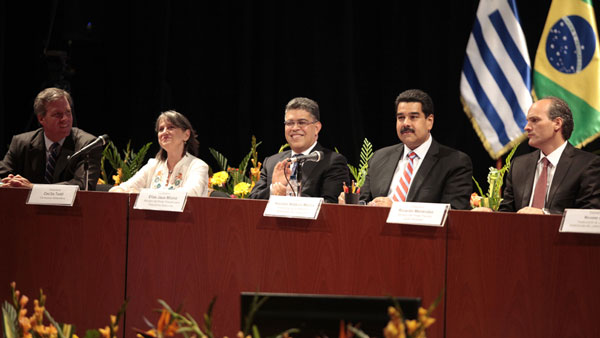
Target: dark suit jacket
point(26, 156)
point(575, 184)
point(444, 176)
point(319, 179)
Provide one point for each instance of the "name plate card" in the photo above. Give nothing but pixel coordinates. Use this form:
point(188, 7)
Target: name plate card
point(293, 207)
point(586, 221)
point(430, 214)
point(53, 194)
point(161, 200)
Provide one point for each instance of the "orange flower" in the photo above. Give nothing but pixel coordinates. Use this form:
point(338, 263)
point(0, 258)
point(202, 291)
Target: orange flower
point(475, 200)
point(166, 327)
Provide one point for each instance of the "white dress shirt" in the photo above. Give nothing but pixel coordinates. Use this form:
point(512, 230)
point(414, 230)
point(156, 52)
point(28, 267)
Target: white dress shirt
point(553, 158)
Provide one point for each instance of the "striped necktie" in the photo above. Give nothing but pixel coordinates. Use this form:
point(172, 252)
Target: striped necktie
point(401, 190)
point(49, 175)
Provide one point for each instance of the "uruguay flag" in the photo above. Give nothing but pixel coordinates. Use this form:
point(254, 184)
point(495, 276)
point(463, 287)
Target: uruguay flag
point(495, 83)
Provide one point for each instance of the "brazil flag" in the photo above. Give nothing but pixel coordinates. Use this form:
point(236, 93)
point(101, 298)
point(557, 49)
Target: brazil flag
point(567, 65)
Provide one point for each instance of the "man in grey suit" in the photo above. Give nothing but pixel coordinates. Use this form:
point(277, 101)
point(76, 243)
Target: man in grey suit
point(419, 169)
point(324, 178)
point(556, 176)
point(40, 156)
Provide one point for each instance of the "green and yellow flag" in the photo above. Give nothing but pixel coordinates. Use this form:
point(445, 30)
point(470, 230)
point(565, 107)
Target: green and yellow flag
point(567, 65)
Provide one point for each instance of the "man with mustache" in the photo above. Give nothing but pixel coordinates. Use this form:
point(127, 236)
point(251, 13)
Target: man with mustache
point(419, 169)
point(324, 178)
point(40, 156)
point(557, 175)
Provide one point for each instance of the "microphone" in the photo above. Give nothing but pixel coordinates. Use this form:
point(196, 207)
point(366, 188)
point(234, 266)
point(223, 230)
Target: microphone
point(315, 156)
point(99, 142)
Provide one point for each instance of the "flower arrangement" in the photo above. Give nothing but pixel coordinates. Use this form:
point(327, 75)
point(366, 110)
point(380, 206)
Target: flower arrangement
point(125, 167)
point(172, 322)
point(495, 177)
point(17, 324)
point(234, 181)
point(398, 326)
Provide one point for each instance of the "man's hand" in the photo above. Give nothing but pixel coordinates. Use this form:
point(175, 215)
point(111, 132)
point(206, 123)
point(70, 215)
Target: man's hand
point(484, 209)
point(531, 210)
point(381, 202)
point(280, 172)
point(342, 198)
point(16, 181)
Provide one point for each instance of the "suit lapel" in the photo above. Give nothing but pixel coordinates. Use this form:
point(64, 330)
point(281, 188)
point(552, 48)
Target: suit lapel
point(307, 168)
point(564, 163)
point(66, 150)
point(387, 169)
point(529, 176)
point(431, 158)
point(38, 155)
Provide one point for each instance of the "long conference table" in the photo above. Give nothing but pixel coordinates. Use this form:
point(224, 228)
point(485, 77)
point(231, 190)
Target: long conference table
point(505, 275)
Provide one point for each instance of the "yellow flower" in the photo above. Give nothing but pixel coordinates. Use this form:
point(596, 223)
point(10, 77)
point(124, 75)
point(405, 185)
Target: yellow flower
point(411, 326)
point(255, 172)
point(100, 181)
point(242, 189)
point(105, 332)
point(118, 177)
point(219, 179)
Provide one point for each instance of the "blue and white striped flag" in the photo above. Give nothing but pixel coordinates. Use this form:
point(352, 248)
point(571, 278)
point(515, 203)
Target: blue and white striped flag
point(495, 83)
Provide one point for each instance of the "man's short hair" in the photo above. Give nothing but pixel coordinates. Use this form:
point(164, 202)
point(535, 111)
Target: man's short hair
point(49, 95)
point(416, 95)
point(305, 104)
point(560, 108)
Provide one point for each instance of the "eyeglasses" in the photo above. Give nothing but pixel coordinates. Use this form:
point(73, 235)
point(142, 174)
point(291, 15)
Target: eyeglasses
point(301, 123)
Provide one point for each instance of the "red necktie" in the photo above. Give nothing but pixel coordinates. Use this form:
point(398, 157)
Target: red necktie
point(401, 190)
point(539, 194)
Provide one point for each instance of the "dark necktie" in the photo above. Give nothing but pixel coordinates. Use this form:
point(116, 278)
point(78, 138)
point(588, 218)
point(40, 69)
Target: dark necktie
point(294, 166)
point(48, 176)
point(539, 195)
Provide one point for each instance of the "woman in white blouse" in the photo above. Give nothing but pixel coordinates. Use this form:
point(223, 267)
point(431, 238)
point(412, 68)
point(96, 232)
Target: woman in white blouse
point(174, 166)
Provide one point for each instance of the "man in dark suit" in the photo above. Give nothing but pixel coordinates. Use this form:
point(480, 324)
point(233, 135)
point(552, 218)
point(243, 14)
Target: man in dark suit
point(419, 169)
point(324, 178)
point(556, 176)
point(40, 156)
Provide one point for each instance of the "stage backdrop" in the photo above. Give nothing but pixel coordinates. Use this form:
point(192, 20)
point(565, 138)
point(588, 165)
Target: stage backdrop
point(231, 67)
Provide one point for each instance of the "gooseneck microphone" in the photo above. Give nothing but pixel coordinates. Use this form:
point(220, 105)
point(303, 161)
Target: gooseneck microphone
point(315, 156)
point(101, 141)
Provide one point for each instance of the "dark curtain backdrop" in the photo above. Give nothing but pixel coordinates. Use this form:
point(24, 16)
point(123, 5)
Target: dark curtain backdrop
point(232, 66)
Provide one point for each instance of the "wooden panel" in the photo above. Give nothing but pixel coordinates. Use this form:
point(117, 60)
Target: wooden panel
point(515, 275)
point(75, 254)
point(220, 247)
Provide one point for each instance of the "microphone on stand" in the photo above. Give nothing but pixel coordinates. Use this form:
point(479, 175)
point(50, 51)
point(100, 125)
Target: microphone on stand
point(101, 141)
point(315, 156)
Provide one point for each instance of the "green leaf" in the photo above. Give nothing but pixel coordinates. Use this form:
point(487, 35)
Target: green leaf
point(221, 160)
point(478, 187)
point(92, 334)
point(53, 322)
point(283, 147)
point(9, 320)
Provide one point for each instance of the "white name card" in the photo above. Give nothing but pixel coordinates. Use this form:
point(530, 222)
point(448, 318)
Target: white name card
point(161, 200)
point(293, 207)
point(586, 221)
point(53, 194)
point(430, 214)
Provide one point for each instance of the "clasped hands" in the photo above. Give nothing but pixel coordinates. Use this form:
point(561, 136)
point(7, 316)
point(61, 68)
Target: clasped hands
point(16, 181)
